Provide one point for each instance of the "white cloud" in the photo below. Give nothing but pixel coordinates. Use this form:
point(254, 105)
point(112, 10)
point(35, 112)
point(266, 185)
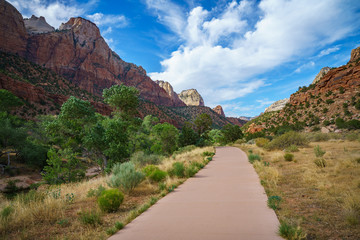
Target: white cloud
point(305, 66)
point(222, 53)
point(329, 51)
point(55, 12)
point(100, 19)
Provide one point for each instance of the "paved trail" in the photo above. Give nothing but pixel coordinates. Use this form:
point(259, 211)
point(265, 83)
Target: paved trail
point(223, 201)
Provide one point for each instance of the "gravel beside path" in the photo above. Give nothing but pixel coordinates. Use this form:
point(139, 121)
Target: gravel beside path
point(223, 201)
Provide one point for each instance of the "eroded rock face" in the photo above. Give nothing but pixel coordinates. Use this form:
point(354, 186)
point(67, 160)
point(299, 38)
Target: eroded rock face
point(321, 74)
point(191, 97)
point(355, 55)
point(237, 121)
point(13, 36)
point(35, 25)
point(170, 91)
point(219, 110)
point(77, 52)
point(276, 106)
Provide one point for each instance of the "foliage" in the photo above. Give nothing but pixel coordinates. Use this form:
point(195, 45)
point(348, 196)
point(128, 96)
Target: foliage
point(286, 140)
point(216, 136)
point(8, 101)
point(59, 171)
point(253, 157)
point(261, 142)
point(122, 98)
point(96, 192)
point(141, 159)
point(318, 151)
point(125, 176)
point(289, 157)
point(292, 148)
point(6, 212)
point(274, 202)
point(166, 136)
point(178, 170)
point(291, 232)
point(157, 175)
point(110, 200)
point(231, 133)
point(188, 136)
point(90, 218)
point(203, 123)
point(208, 154)
point(320, 162)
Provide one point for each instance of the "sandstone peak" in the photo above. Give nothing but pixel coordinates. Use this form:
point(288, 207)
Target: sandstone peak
point(35, 25)
point(219, 110)
point(322, 73)
point(191, 97)
point(355, 55)
point(170, 91)
point(278, 105)
point(85, 30)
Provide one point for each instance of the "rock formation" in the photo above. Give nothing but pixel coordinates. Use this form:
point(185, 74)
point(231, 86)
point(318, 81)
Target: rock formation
point(276, 106)
point(322, 73)
point(170, 91)
point(219, 110)
point(237, 121)
point(191, 97)
point(35, 25)
point(77, 52)
point(355, 55)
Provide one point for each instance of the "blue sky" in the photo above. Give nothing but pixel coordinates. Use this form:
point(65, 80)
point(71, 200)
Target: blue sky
point(243, 55)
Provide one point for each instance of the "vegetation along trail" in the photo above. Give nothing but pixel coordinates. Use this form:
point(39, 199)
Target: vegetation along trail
point(223, 201)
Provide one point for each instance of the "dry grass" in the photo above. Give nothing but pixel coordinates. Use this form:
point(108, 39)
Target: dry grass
point(51, 214)
point(325, 202)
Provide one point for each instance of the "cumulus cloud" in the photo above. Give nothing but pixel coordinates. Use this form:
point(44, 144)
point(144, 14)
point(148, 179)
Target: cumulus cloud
point(223, 52)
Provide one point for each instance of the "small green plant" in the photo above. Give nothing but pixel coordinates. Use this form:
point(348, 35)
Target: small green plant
point(253, 157)
point(110, 200)
point(64, 222)
point(172, 188)
point(178, 170)
point(69, 197)
point(162, 186)
point(206, 154)
point(111, 231)
point(289, 157)
point(320, 162)
point(191, 170)
point(119, 225)
point(157, 175)
point(274, 202)
point(291, 232)
point(56, 193)
point(95, 192)
point(90, 217)
point(318, 151)
point(125, 176)
point(6, 212)
point(292, 148)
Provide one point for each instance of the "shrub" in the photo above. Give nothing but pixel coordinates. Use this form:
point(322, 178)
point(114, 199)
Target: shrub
point(329, 101)
point(110, 200)
point(318, 151)
point(95, 192)
point(289, 157)
point(142, 159)
point(125, 176)
point(320, 162)
point(178, 169)
point(119, 225)
point(90, 217)
point(292, 148)
point(149, 169)
point(158, 175)
point(286, 140)
point(205, 154)
point(274, 202)
point(6, 212)
point(288, 231)
point(254, 157)
point(261, 142)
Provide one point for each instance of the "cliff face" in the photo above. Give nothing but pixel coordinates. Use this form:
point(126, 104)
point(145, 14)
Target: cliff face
point(237, 121)
point(170, 91)
point(322, 73)
point(77, 52)
point(276, 106)
point(219, 110)
point(191, 97)
point(35, 25)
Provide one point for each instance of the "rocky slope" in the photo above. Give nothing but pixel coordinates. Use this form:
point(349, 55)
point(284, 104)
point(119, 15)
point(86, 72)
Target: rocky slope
point(276, 106)
point(237, 121)
point(322, 73)
point(191, 97)
point(335, 96)
point(78, 53)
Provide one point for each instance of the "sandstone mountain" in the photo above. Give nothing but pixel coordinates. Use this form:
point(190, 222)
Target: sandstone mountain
point(170, 91)
point(321, 74)
point(191, 97)
point(237, 121)
point(219, 110)
point(35, 25)
point(276, 106)
point(336, 96)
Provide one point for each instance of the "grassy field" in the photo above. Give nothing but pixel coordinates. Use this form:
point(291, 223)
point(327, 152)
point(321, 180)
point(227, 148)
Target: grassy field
point(323, 201)
point(70, 211)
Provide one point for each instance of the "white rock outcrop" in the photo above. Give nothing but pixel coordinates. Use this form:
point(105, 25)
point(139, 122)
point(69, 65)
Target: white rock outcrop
point(322, 73)
point(191, 97)
point(35, 25)
point(278, 105)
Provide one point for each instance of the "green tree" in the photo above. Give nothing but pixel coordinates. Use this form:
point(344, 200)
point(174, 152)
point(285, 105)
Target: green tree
point(216, 136)
point(231, 133)
point(8, 101)
point(123, 98)
point(203, 123)
point(166, 138)
point(188, 136)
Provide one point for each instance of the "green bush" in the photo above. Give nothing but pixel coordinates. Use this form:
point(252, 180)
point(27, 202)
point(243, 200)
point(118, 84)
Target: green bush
point(119, 225)
point(274, 202)
point(149, 169)
point(125, 176)
point(320, 162)
point(6, 212)
point(292, 148)
point(286, 140)
point(142, 159)
point(210, 154)
point(288, 231)
point(178, 170)
point(289, 157)
point(90, 217)
point(158, 175)
point(110, 200)
point(261, 142)
point(318, 151)
point(254, 157)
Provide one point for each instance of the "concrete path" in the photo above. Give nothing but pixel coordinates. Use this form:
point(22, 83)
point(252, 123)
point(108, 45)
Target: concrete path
point(223, 201)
